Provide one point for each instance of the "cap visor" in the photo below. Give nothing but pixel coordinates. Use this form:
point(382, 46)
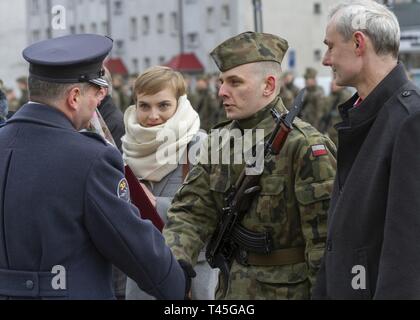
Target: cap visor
point(100, 82)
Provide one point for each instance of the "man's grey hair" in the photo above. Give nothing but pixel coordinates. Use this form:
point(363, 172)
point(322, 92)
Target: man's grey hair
point(50, 92)
point(373, 19)
point(270, 68)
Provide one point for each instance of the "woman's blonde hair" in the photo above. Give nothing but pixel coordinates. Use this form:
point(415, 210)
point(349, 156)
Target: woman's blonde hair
point(158, 78)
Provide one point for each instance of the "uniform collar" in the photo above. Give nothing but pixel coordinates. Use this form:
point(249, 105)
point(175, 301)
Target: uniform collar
point(42, 114)
point(372, 104)
point(262, 118)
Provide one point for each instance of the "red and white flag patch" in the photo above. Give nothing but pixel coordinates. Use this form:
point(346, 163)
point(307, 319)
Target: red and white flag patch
point(319, 150)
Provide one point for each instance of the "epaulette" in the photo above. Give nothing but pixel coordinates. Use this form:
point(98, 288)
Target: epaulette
point(221, 124)
point(305, 128)
point(94, 136)
point(410, 99)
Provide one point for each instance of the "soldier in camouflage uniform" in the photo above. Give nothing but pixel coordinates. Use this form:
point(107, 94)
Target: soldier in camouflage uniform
point(205, 103)
point(295, 185)
point(331, 116)
point(288, 91)
point(313, 105)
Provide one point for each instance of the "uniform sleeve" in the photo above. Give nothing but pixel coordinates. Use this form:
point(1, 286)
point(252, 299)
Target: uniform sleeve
point(134, 245)
point(399, 264)
point(313, 187)
point(192, 216)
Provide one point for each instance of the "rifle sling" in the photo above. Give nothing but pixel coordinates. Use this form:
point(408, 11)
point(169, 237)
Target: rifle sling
point(186, 165)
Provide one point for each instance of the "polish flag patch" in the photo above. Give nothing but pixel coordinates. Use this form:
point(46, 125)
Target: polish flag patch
point(319, 150)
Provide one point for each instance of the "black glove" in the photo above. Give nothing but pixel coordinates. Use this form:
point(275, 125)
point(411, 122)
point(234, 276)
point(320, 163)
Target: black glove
point(189, 274)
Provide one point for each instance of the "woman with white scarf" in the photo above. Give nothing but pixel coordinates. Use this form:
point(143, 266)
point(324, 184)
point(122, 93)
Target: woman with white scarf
point(161, 130)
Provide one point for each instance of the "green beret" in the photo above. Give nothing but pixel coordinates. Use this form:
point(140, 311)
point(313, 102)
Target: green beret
point(249, 47)
point(310, 73)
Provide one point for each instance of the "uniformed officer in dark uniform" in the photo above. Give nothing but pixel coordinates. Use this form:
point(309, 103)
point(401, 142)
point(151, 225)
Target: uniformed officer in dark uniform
point(65, 213)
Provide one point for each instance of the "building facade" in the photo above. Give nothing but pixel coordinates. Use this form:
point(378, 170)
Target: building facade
point(151, 32)
point(12, 41)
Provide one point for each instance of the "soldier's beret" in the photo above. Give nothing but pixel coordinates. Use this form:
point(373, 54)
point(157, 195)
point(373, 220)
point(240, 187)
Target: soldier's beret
point(249, 47)
point(69, 59)
point(310, 73)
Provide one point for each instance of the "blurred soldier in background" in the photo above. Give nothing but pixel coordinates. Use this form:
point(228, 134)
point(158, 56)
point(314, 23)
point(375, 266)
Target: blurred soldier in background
point(204, 102)
point(313, 104)
point(331, 115)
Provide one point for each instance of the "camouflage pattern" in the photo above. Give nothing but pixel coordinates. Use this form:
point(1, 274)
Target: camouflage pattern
point(313, 106)
point(287, 97)
point(310, 73)
point(292, 88)
point(249, 47)
point(292, 205)
point(331, 116)
point(206, 105)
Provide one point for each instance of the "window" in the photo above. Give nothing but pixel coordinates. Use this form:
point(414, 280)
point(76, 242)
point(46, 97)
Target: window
point(82, 28)
point(145, 25)
point(225, 15)
point(317, 55)
point(36, 35)
point(174, 24)
point(119, 46)
point(160, 23)
point(94, 28)
point(136, 65)
point(210, 19)
point(133, 29)
point(105, 28)
point(162, 61)
point(147, 63)
point(35, 7)
point(118, 7)
point(317, 8)
point(192, 40)
point(48, 33)
point(72, 30)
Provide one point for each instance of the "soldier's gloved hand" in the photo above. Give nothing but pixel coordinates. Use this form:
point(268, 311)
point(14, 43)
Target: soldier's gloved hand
point(189, 274)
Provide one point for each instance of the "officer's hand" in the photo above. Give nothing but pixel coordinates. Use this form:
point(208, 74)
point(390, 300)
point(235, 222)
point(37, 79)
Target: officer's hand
point(189, 274)
point(150, 195)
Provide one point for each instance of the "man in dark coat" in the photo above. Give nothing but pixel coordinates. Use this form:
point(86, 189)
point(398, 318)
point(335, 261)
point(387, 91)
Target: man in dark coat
point(112, 116)
point(374, 222)
point(65, 212)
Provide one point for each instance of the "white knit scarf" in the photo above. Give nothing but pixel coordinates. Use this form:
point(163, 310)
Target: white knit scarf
point(152, 153)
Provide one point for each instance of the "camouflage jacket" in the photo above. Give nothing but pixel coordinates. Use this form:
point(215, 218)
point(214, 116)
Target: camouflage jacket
point(292, 205)
point(313, 106)
point(206, 105)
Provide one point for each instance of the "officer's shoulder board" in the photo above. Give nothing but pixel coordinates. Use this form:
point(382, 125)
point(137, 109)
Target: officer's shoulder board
point(94, 136)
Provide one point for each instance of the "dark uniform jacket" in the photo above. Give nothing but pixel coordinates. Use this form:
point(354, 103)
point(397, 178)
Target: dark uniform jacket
point(374, 219)
point(114, 119)
point(64, 202)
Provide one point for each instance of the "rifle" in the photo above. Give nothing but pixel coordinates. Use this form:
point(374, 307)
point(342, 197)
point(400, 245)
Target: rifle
point(223, 243)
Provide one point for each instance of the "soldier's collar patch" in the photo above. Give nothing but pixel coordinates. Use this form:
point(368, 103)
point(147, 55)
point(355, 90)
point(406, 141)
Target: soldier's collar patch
point(123, 191)
point(319, 150)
